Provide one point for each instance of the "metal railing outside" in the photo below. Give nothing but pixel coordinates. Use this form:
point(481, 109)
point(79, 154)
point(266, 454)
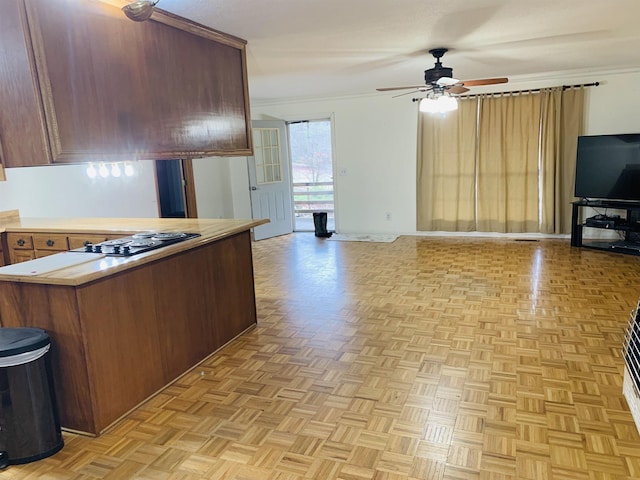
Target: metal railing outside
point(310, 197)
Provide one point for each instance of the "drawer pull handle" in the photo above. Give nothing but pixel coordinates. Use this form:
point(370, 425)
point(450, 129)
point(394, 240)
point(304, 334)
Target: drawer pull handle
point(21, 242)
point(50, 243)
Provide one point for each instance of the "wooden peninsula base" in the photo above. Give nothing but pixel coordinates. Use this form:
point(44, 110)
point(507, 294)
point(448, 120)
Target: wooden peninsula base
point(121, 338)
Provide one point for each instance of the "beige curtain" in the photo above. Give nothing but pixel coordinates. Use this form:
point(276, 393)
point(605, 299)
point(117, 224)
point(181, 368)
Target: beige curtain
point(508, 163)
point(500, 163)
point(562, 123)
point(446, 169)
point(550, 133)
point(572, 126)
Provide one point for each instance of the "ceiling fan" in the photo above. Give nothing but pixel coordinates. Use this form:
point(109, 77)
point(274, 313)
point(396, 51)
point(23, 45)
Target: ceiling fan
point(439, 79)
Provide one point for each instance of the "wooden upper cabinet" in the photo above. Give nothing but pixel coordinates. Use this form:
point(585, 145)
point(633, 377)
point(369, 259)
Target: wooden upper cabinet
point(114, 89)
point(23, 138)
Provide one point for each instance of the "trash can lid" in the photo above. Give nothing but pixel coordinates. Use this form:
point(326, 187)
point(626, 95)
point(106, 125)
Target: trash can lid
point(14, 341)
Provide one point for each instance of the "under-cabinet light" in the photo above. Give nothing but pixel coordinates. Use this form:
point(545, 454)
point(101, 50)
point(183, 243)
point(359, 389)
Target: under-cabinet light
point(128, 169)
point(91, 171)
point(103, 170)
point(110, 169)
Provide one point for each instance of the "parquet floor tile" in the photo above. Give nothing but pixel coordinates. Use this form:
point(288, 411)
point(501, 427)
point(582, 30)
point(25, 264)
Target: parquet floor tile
point(423, 359)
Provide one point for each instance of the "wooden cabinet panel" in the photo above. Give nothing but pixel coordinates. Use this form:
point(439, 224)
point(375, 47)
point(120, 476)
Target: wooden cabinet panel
point(233, 264)
point(4, 255)
point(23, 139)
point(117, 89)
point(119, 325)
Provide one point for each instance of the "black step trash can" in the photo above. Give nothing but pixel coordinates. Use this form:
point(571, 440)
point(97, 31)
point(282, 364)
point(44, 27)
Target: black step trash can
point(29, 422)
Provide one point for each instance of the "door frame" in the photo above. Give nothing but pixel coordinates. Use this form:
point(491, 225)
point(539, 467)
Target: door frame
point(314, 117)
point(188, 187)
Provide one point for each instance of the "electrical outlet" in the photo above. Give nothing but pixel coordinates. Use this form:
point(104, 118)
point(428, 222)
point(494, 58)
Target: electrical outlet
point(343, 172)
point(387, 216)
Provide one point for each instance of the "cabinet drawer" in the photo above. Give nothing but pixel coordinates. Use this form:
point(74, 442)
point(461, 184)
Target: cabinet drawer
point(79, 241)
point(54, 241)
point(19, 241)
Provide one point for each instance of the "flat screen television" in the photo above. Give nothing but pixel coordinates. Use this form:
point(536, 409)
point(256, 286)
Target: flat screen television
point(608, 167)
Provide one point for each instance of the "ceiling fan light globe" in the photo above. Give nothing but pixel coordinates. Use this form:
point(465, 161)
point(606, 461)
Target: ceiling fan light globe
point(441, 104)
point(428, 105)
point(447, 103)
point(139, 11)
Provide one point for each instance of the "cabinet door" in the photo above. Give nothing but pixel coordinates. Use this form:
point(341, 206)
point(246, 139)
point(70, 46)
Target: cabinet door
point(18, 256)
point(118, 89)
point(22, 131)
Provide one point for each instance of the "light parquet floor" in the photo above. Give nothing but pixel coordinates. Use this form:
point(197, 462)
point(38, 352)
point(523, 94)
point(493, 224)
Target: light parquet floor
point(426, 358)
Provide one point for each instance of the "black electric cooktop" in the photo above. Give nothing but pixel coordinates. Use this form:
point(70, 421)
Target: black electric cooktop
point(137, 243)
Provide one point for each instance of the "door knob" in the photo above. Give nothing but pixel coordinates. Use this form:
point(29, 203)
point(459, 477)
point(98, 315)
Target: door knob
point(254, 188)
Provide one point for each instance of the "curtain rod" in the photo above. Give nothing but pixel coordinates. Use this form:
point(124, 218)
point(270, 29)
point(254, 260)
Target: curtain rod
point(531, 90)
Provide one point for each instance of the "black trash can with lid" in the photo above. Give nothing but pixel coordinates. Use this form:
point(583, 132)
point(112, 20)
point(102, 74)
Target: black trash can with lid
point(29, 422)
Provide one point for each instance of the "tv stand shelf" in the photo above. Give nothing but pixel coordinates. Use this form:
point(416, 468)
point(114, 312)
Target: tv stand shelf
point(628, 224)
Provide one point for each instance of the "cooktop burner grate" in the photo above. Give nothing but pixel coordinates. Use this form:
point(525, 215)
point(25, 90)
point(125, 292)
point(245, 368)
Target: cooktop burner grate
point(137, 243)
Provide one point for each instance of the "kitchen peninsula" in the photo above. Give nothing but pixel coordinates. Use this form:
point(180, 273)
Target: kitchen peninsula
point(122, 328)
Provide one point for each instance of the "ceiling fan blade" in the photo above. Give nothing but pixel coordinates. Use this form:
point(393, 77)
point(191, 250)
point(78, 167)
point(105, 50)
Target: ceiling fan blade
point(457, 89)
point(386, 89)
point(484, 81)
point(421, 90)
point(447, 81)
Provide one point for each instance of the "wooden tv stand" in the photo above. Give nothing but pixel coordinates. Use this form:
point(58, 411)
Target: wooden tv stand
point(628, 225)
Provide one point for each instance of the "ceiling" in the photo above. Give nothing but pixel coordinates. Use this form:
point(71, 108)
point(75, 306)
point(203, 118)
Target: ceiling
point(327, 48)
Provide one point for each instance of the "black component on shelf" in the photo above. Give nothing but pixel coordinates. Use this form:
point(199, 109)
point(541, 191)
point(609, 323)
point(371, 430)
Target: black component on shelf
point(627, 225)
point(605, 221)
point(627, 247)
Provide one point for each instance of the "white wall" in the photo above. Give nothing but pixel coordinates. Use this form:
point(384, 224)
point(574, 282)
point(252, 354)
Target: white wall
point(239, 182)
point(222, 188)
point(66, 191)
point(614, 106)
point(212, 187)
point(375, 141)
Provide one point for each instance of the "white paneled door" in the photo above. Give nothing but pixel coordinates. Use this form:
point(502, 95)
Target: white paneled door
point(269, 179)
